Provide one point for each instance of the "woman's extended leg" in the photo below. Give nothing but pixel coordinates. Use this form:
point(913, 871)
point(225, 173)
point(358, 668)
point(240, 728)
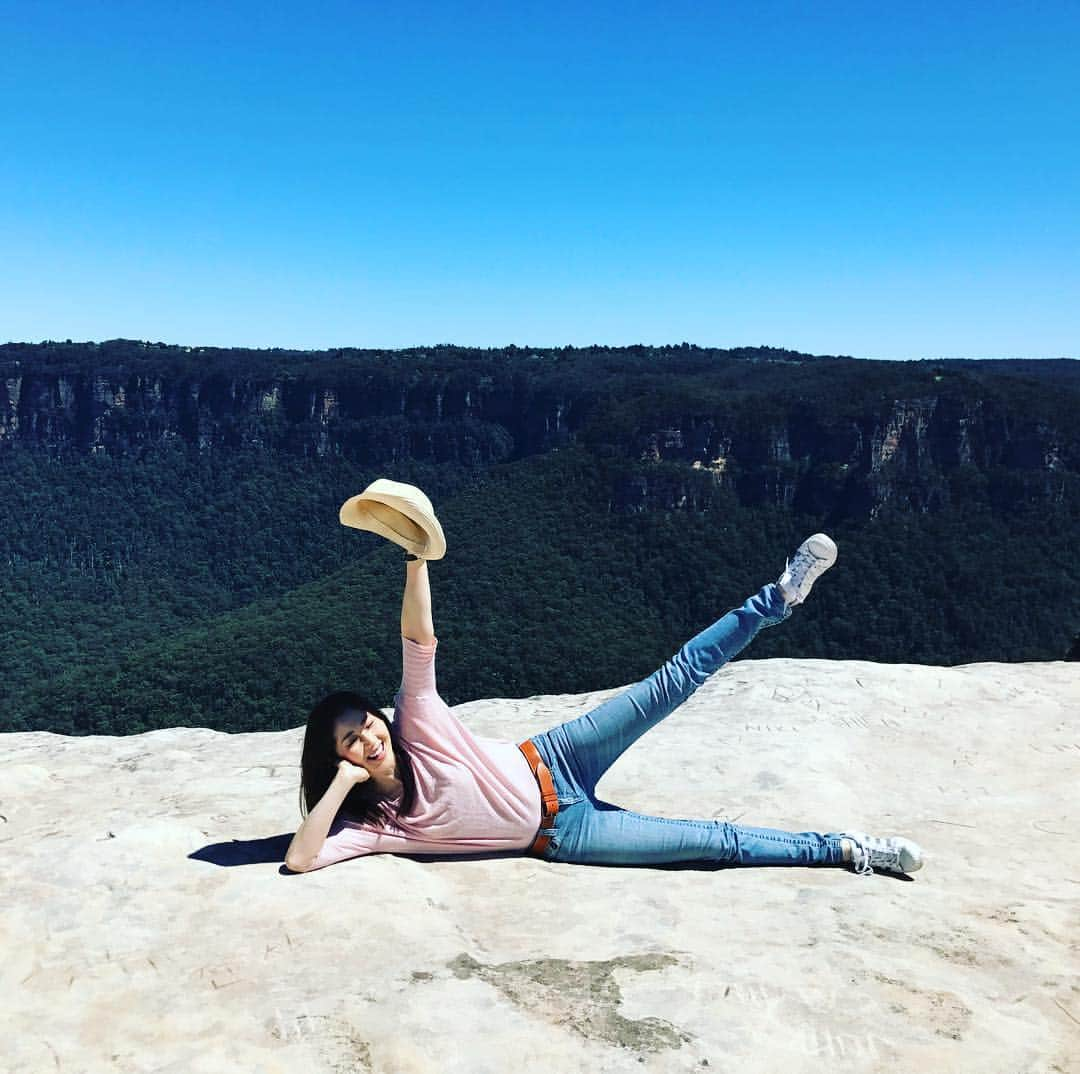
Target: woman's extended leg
point(590, 744)
point(607, 835)
point(588, 831)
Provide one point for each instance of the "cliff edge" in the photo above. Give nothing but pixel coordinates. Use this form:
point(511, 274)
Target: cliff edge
point(149, 923)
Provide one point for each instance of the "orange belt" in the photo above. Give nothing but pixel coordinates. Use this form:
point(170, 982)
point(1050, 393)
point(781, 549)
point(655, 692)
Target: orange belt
point(547, 793)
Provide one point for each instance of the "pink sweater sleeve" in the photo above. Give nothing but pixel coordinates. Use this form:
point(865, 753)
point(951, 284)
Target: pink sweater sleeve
point(417, 668)
point(346, 840)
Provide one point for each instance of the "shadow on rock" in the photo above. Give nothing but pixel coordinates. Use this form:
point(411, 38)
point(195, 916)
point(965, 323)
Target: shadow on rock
point(246, 851)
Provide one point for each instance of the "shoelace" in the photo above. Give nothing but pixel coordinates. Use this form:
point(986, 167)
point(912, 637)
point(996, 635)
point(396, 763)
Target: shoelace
point(801, 566)
point(860, 858)
point(877, 852)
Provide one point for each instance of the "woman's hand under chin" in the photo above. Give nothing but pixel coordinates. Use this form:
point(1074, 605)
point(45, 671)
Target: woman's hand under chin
point(353, 773)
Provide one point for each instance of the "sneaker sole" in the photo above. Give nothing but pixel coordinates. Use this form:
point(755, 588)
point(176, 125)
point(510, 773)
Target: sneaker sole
point(823, 548)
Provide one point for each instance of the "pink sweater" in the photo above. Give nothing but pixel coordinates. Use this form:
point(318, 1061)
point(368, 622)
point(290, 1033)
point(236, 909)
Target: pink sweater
point(472, 793)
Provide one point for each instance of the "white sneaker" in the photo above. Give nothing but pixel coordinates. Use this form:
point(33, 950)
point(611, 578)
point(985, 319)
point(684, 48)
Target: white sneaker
point(892, 855)
point(812, 558)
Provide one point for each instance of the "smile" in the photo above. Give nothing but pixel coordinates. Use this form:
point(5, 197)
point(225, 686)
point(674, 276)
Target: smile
point(378, 754)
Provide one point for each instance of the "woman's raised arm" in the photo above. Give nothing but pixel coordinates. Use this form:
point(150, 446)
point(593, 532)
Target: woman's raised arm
point(416, 620)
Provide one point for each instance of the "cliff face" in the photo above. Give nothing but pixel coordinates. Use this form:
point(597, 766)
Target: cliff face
point(375, 418)
point(910, 451)
point(915, 451)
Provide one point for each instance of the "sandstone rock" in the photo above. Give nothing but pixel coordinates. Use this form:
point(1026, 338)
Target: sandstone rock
point(149, 924)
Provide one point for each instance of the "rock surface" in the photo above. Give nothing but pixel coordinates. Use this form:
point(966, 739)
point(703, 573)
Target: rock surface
point(149, 924)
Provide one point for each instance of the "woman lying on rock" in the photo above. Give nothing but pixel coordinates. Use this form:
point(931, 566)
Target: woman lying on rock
point(424, 784)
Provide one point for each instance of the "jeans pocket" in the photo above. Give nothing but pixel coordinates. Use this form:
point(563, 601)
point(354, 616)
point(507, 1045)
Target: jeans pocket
point(554, 838)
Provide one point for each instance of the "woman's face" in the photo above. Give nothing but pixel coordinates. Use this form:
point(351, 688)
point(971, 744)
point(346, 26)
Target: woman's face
point(364, 740)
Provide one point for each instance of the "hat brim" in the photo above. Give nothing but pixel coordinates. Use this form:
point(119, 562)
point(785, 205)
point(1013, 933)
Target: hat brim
point(401, 513)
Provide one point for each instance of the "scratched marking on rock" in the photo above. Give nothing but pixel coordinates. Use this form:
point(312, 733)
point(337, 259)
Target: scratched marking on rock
point(851, 723)
point(866, 723)
point(824, 1042)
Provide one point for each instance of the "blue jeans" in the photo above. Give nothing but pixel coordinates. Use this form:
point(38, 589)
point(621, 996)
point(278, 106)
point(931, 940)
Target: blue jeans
point(579, 752)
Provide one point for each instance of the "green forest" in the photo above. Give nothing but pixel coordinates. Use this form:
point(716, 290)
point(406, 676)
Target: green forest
point(178, 587)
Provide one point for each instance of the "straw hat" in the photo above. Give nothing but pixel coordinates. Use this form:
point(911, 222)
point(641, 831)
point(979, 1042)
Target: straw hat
point(401, 513)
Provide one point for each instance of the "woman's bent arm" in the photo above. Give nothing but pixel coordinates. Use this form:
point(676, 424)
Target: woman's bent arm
point(310, 836)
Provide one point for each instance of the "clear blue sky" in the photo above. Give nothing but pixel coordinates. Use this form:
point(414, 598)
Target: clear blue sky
point(897, 181)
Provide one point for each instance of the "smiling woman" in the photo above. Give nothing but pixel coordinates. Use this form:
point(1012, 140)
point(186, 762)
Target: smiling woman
point(339, 775)
point(364, 742)
point(423, 783)
point(354, 762)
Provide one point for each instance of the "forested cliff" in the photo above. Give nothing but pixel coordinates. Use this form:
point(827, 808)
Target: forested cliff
point(170, 551)
point(830, 435)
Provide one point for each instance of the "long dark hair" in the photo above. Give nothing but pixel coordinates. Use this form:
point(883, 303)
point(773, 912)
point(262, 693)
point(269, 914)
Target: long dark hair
point(319, 762)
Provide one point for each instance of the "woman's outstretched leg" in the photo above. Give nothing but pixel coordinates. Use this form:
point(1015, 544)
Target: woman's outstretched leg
point(587, 746)
point(597, 739)
point(591, 833)
point(613, 836)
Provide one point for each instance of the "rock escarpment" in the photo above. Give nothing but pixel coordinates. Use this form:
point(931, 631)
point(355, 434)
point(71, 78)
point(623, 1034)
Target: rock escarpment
point(851, 438)
point(150, 925)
